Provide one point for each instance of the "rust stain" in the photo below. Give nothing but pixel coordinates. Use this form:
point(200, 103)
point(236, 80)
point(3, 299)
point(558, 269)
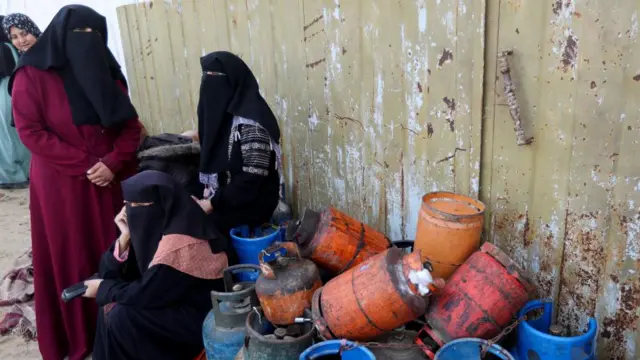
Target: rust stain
point(235, 23)
point(637, 77)
point(315, 63)
point(447, 56)
point(570, 53)
point(419, 86)
point(577, 14)
point(429, 130)
point(614, 328)
point(583, 259)
point(451, 105)
point(556, 7)
point(313, 22)
point(545, 278)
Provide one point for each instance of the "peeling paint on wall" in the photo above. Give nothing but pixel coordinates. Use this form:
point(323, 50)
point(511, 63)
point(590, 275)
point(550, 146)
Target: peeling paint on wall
point(381, 102)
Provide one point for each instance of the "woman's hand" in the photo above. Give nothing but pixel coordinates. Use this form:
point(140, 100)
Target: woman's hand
point(100, 174)
point(92, 288)
point(123, 226)
point(204, 204)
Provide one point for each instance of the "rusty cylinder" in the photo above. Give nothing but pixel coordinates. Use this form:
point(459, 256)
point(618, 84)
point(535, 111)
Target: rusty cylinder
point(335, 241)
point(286, 283)
point(377, 296)
point(449, 229)
point(480, 299)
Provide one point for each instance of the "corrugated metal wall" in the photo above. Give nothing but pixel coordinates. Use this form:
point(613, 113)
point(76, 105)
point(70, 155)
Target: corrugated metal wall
point(566, 207)
point(382, 101)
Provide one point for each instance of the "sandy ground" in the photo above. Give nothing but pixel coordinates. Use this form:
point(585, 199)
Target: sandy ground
point(14, 240)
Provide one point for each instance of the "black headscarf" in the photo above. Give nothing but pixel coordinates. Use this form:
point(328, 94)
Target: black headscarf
point(7, 62)
point(232, 90)
point(173, 212)
point(86, 65)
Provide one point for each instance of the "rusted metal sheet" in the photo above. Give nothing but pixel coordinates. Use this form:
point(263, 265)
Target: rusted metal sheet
point(566, 206)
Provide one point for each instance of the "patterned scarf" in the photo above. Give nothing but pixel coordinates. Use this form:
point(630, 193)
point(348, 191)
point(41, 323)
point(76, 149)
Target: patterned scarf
point(22, 22)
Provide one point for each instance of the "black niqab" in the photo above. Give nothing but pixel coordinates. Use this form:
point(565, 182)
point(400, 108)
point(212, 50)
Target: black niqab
point(228, 89)
point(172, 211)
point(85, 63)
point(7, 62)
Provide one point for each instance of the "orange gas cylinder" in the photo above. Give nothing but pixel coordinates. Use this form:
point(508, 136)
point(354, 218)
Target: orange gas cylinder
point(449, 229)
point(335, 241)
point(286, 283)
point(377, 296)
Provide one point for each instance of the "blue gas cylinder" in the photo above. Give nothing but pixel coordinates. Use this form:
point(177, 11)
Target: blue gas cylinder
point(346, 350)
point(539, 339)
point(471, 348)
point(223, 330)
point(249, 243)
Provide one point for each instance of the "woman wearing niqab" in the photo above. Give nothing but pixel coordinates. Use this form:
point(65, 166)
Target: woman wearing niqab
point(240, 156)
point(14, 156)
point(72, 111)
point(156, 280)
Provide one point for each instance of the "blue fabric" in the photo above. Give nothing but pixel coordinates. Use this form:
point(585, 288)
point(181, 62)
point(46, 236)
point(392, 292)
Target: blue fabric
point(15, 159)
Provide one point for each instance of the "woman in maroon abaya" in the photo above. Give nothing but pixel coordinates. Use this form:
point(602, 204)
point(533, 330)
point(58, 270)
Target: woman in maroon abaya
point(72, 112)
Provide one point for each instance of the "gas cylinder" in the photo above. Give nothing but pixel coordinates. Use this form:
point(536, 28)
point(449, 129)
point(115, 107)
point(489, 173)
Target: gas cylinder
point(538, 339)
point(470, 348)
point(286, 283)
point(392, 346)
point(335, 241)
point(479, 300)
point(377, 296)
point(337, 349)
point(449, 229)
point(267, 342)
point(223, 330)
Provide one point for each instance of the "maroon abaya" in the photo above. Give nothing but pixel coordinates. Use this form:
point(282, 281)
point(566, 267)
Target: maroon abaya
point(72, 220)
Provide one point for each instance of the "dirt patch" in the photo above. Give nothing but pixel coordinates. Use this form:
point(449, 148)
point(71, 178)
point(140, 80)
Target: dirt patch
point(16, 237)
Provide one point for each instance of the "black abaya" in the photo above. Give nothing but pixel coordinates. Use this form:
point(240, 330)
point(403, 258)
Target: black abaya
point(158, 317)
point(154, 302)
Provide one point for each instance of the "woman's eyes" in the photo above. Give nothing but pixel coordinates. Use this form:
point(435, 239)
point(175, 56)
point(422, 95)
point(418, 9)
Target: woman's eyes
point(213, 73)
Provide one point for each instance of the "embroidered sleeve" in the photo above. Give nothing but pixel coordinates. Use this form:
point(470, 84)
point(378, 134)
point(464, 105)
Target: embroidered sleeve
point(120, 257)
point(256, 149)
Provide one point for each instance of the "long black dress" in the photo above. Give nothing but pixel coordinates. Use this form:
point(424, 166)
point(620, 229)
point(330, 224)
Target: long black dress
point(240, 154)
point(154, 298)
point(158, 317)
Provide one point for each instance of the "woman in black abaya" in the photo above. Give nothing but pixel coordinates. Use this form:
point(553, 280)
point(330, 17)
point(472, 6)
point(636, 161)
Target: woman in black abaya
point(156, 280)
point(240, 156)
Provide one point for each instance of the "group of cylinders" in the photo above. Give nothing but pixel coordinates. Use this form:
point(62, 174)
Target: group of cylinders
point(479, 288)
point(370, 272)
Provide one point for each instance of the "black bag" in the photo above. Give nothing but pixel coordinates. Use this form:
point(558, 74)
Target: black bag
point(175, 155)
